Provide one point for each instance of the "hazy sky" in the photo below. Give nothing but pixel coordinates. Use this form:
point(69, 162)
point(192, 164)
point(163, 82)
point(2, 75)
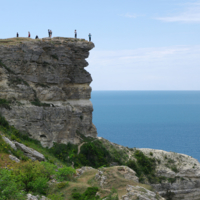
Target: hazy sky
point(139, 44)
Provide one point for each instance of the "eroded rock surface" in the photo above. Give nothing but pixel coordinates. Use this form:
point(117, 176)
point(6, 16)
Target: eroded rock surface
point(140, 193)
point(181, 172)
point(48, 87)
point(29, 152)
point(12, 145)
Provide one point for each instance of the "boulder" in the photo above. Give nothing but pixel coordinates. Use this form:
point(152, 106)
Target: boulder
point(14, 158)
point(29, 152)
point(9, 142)
point(31, 197)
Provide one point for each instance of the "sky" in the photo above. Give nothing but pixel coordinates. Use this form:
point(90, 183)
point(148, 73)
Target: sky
point(139, 44)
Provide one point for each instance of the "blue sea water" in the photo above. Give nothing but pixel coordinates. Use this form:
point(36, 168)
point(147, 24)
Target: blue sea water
point(167, 120)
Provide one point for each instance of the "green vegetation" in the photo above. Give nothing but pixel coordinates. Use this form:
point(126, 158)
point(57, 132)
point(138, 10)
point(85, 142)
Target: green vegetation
point(16, 81)
point(143, 166)
point(29, 177)
point(5, 104)
point(93, 154)
point(7, 68)
point(37, 102)
point(54, 56)
point(89, 194)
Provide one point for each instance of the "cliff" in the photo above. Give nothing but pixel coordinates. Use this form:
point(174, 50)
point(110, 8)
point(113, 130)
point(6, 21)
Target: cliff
point(45, 93)
point(46, 88)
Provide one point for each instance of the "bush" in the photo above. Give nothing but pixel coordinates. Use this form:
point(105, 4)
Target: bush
point(144, 166)
point(65, 174)
point(62, 185)
point(49, 168)
point(89, 194)
point(39, 185)
point(5, 104)
point(93, 154)
point(9, 187)
point(32, 176)
point(3, 122)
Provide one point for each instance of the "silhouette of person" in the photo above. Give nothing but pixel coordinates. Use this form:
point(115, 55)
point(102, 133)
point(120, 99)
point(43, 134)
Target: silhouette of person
point(29, 34)
point(75, 32)
point(49, 32)
point(90, 37)
point(17, 34)
point(36, 37)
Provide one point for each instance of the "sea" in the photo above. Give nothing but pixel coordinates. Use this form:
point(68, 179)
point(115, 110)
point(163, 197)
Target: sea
point(166, 120)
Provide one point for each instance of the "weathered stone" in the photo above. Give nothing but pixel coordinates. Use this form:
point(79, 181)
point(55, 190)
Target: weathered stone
point(101, 178)
point(185, 182)
point(140, 193)
point(82, 170)
point(29, 152)
point(14, 158)
point(128, 173)
point(12, 145)
point(51, 71)
point(32, 197)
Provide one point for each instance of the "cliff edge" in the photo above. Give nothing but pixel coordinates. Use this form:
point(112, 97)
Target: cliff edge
point(46, 89)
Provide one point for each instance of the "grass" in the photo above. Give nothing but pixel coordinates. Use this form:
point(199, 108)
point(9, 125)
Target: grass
point(19, 40)
point(14, 41)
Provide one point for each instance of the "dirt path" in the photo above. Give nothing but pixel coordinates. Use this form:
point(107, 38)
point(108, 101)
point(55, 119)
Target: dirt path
point(79, 147)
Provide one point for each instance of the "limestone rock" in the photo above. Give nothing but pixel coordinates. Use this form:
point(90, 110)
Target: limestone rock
point(128, 173)
point(29, 152)
point(32, 197)
point(82, 170)
point(140, 193)
point(9, 142)
point(182, 173)
point(51, 74)
point(101, 178)
point(14, 158)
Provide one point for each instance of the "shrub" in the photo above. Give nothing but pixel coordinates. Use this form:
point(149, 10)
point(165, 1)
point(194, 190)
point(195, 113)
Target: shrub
point(49, 168)
point(32, 176)
point(39, 185)
point(89, 194)
point(144, 166)
point(9, 187)
point(5, 104)
point(3, 122)
point(62, 185)
point(174, 168)
point(65, 174)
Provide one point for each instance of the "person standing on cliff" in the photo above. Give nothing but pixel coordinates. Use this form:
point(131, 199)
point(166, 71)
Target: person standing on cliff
point(17, 34)
point(90, 37)
point(29, 34)
point(49, 33)
point(75, 32)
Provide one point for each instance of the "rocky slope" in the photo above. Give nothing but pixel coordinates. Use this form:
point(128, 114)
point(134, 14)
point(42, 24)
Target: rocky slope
point(47, 88)
point(45, 93)
point(178, 174)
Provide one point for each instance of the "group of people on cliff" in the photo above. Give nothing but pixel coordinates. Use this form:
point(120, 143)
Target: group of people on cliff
point(90, 36)
point(50, 34)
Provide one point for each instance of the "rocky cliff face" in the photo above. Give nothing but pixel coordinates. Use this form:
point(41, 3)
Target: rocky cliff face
point(47, 87)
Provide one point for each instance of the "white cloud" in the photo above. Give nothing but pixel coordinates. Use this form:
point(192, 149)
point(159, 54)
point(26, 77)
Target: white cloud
point(191, 14)
point(167, 68)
